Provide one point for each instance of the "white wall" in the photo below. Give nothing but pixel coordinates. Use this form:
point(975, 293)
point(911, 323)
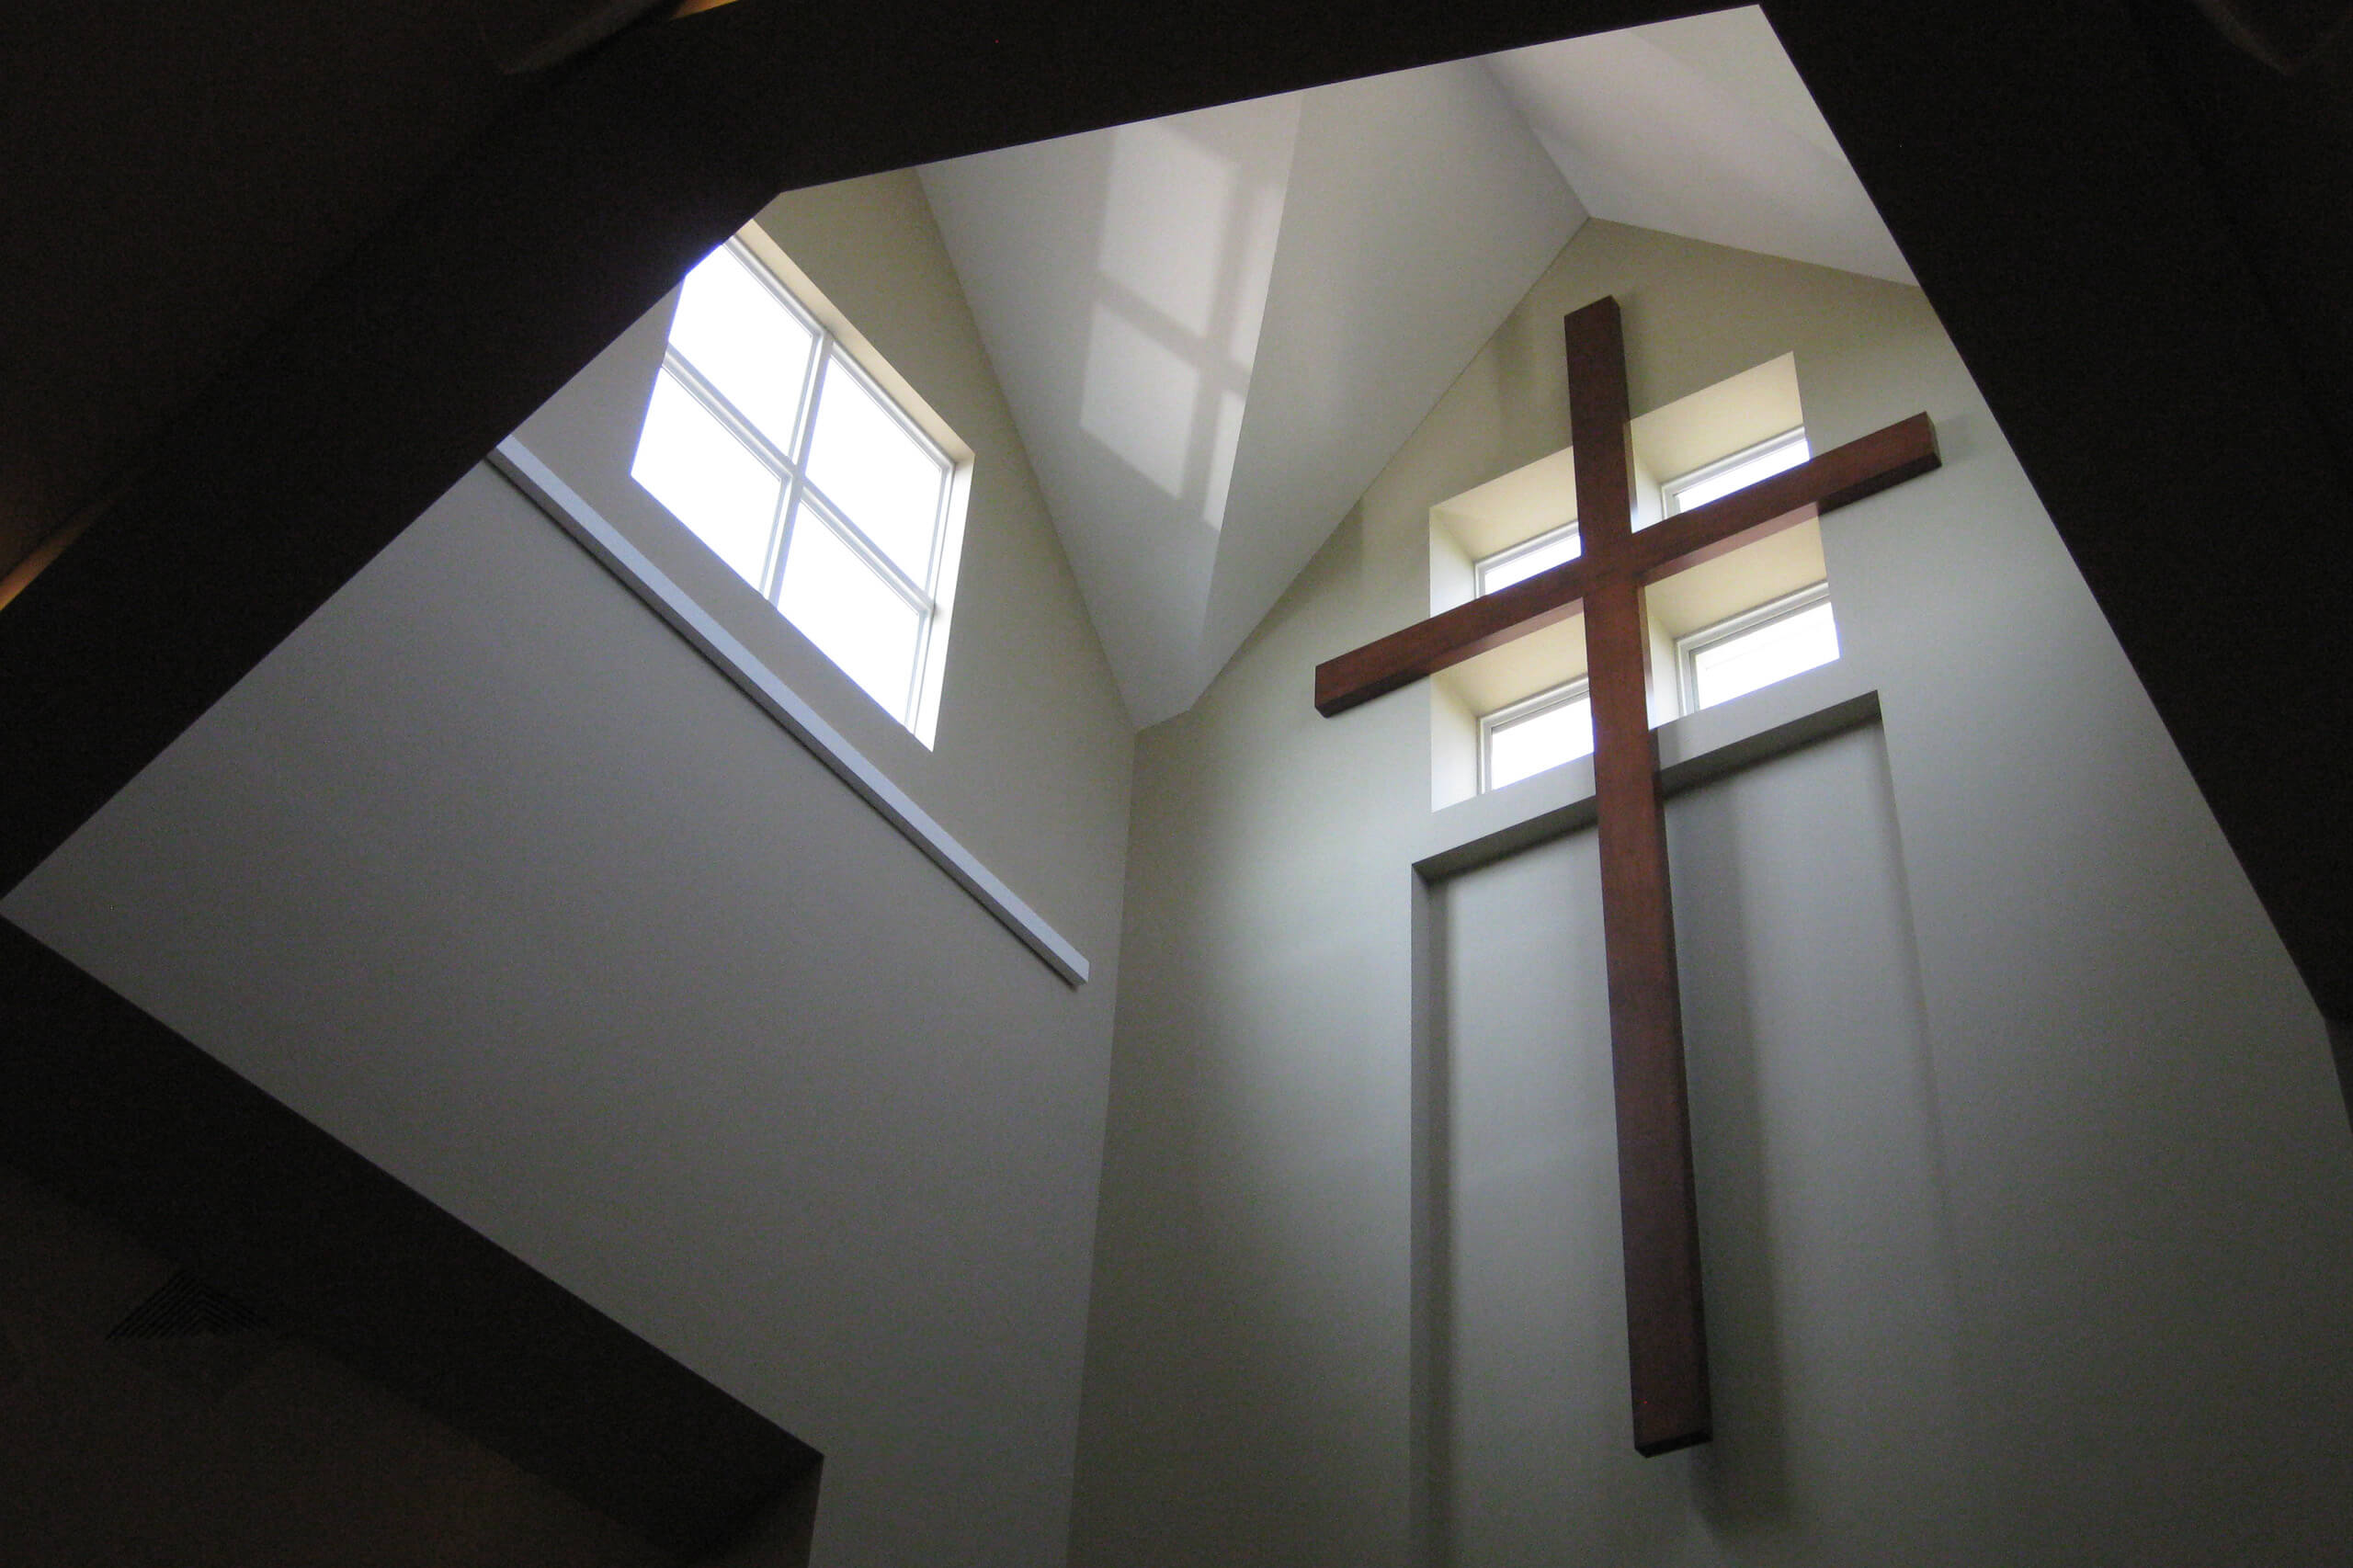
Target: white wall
point(1830, 1295)
point(2142, 1176)
point(488, 874)
point(1027, 768)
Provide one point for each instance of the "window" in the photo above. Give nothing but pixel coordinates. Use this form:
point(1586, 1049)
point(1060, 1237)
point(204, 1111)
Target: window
point(1715, 629)
point(1737, 471)
point(1547, 729)
point(1525, 558)
point(768, 439)
point(1769, 643)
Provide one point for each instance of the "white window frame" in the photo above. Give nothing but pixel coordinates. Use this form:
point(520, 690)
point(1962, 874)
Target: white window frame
point(1526, 708)
point(1481, 568)
point(1688, 647)
point(833, 350)
point(1671, 492)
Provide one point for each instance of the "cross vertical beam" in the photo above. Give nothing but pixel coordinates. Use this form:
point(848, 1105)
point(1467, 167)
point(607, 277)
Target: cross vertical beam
point(1658, 1214)
point(1665, 1331)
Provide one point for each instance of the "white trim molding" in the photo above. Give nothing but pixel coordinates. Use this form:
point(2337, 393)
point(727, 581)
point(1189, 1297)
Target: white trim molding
point(564, 506)
point(1810, 706)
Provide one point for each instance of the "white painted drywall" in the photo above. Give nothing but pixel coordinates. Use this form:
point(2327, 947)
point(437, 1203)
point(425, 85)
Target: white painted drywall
point(490, 875)
point(1215, 328)
point(1700, 126)
point(1829, 1293)
point(2144, 1173)
point(1119, 277)
point(1017, 771)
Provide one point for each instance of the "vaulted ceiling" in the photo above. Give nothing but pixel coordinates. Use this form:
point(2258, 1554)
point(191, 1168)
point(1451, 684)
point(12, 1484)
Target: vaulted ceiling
point(1214, 328)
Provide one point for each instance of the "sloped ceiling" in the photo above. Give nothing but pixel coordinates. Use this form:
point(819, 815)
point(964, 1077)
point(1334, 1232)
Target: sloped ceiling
point(1701, 128)
point(1213, 329)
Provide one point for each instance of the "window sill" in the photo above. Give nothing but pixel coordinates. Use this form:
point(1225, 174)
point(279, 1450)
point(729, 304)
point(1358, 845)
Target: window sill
point(614, 551)
point(1692, 750)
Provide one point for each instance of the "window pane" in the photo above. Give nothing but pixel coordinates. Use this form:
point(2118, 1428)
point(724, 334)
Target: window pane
point(867, 465)
point(1544, 739)
point(1773, 650)
point(1494, 575)
point(1740, 475)
point(744, 341)
point(695, 466)
point(844, 606)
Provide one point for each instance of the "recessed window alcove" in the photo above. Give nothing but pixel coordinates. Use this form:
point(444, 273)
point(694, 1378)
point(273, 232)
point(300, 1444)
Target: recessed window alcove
point(1494, 533)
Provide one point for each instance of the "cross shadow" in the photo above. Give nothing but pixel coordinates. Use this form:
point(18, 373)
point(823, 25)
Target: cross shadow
point(1740, 1480)
point(1431, 1441)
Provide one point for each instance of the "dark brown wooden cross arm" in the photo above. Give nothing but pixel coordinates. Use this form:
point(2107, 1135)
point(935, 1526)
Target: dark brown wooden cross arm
point(1837, 478)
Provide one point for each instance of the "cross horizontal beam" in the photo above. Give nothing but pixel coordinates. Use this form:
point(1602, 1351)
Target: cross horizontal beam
point(1837, 478)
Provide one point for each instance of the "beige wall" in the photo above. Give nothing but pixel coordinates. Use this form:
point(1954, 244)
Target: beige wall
point(490, 875)
point(2143, 1181)
point(1027, 768)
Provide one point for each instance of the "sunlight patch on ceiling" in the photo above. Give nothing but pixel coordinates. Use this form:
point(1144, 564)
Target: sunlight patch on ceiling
point(1214, 329)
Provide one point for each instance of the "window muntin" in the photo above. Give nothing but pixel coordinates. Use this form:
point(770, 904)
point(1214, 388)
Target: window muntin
point(879, 474)
point(1769, 643)
point(1545, 731)
point(714, 481)
point(769, 443)
point(851, 611)
point(1527, 558)
point(1737, 471)
point(736, 329)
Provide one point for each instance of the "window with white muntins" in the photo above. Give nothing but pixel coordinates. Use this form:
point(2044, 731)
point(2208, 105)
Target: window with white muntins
point(1737, 471)
point(1523, 560)
point(1754, 649)
point(1536, 732)
point(1730, 658)
point(1717, 631)
point(774, 435)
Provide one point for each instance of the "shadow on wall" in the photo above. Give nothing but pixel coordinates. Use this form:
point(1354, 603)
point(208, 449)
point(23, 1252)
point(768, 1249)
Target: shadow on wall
point(341, 1372)
point(147, 1418)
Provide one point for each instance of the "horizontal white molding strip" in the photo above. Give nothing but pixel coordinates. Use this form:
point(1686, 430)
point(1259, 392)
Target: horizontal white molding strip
point(1755, 727)
point(781, 703)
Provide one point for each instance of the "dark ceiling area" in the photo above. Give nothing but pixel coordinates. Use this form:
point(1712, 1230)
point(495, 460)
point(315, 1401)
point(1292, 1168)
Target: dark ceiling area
point(2139, 238)
point(277, 276)
point(176, 177)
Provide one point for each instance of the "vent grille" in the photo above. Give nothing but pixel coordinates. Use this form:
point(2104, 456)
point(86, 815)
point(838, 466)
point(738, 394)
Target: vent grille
point(185, 1307)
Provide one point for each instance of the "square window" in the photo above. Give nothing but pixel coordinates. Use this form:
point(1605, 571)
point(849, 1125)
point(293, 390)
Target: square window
point(770, 440)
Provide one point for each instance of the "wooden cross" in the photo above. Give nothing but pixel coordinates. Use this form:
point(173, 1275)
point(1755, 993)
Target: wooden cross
point(1665, 1331)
